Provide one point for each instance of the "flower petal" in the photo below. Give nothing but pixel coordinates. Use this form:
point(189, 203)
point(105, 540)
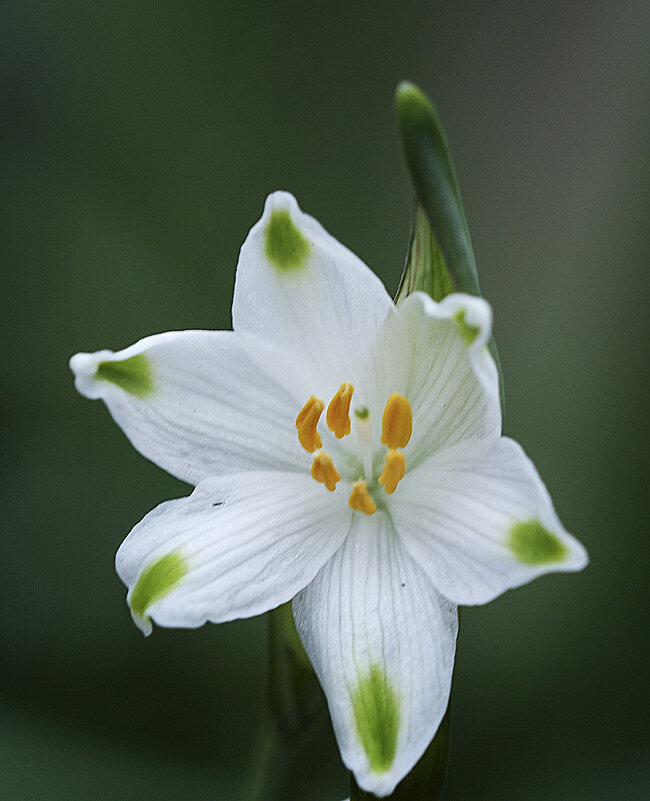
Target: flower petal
point(201, 403)
point(447, 372)
point(301, 289)
point(478, 519)
point(382, 642)
point(236, 547)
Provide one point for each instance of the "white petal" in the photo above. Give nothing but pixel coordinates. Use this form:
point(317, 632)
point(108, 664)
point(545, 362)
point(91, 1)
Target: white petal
point(478, 520)
point(451, 380)
point(382, 642)
point(236, 547)
point(202, 403)
point(323, 304)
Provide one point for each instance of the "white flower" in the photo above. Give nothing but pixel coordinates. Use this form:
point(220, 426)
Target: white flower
point(347, 454)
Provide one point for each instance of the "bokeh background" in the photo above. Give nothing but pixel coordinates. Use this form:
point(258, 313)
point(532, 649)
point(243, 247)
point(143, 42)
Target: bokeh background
point(139, 142)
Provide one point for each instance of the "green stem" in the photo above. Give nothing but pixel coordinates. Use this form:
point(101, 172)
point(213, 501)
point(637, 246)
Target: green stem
point(264, 758)
point(294, 690)
point(291, 714)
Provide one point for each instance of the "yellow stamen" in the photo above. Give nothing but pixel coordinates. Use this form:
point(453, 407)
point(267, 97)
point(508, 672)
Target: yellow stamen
point(397, 422)
point(360, 499)
point(323, 470)
point(306, 423)
point(338, 412)
point(393, 472)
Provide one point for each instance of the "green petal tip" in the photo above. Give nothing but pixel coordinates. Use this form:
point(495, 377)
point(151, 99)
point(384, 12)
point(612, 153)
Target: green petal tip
point(376, 715)
point(532, 544)
point(285, 246)
point(133, 375)
point(156, 580)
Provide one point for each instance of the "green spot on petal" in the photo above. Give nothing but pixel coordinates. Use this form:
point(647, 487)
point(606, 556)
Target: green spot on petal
point(132, 375)
point(468, 332)
point(155, 581)
point(376, 715)
point(286, 247)
point(532, 544)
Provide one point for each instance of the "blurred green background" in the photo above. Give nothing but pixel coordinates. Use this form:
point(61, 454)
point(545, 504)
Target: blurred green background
point(139, 142)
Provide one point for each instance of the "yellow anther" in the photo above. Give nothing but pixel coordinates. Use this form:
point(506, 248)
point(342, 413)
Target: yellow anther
point(393, 472)
point(306, 423)
point(338, 412)
point(323, 470)
point(397, 422)
point(360, 499)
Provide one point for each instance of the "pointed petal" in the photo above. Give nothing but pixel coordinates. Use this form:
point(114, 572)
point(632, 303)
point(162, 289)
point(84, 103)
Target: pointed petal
point(446, 370)
point(382, 642)
point(236, 547)
point(301, 289)
point(201, 403)
point(478, 519)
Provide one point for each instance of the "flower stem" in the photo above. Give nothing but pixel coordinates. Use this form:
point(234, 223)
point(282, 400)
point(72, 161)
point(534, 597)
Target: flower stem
point(263, 762)
point(291, 716)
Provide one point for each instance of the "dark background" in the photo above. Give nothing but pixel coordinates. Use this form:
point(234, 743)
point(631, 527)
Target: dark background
point(139, 140)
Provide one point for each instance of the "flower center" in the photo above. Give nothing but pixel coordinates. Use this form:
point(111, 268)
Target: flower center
point(396, 428)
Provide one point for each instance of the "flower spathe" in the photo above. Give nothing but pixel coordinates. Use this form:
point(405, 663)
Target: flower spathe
point(346, 454)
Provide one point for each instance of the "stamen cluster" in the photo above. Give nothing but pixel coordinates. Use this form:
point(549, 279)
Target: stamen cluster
point(396, 424)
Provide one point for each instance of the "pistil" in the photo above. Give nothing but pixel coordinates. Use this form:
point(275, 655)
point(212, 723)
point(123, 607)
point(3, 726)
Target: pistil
point(363, 428)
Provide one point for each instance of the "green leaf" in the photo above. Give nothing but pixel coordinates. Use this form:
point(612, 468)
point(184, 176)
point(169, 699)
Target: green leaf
point(440, 257)
point(424, 782)
point(425, 268)
point(436, 185)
